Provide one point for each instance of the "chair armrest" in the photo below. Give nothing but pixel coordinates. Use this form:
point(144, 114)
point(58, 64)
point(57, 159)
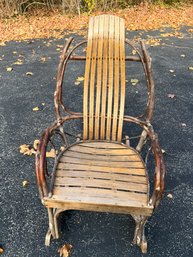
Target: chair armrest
point(41, 160)
point(159, 175)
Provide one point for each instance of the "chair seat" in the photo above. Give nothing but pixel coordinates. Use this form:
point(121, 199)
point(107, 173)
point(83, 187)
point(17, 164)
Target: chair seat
point(101, 176)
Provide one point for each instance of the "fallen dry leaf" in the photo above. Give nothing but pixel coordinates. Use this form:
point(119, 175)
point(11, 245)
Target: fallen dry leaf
point(190, 68)
point(9, 69)
point(18, 62)
point(25, 183)
point(1, 250)
point(62, 148)
point(134, 82)
point(29, 73)
point(78, 80)
point(163, 151)
point(25, 149)
point(50, 154)
point(172, 71)
point(134, 52)
point(183, 124)
point(182, 55)
point(43, 59)
point(35, 109)
point(36, 143)
point(43, 104)
point(170, 196)
point(64, 251)
point(171, 96)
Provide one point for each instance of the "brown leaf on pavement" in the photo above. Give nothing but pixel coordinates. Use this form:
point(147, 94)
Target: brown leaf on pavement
point(64, 251)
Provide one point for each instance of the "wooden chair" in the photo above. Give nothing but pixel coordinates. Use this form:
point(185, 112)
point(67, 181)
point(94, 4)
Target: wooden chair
point(99, 172)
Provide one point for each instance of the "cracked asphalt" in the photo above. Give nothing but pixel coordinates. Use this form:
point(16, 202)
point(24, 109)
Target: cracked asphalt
point(23, 219)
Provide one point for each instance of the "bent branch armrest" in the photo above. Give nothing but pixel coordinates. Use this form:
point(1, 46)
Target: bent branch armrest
point(159, 177)
point(40, 161)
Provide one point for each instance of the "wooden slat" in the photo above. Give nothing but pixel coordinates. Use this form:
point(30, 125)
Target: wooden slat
point(122, 88)
point(99, 75)
point(110, 81)
point(86, 78)
point(99, 195)
point(101, 175)
point(132, 208)
point(92, 77)
point(116, 79)
point(100, 168)
point(104, 82)
point(132, 164)
point(101, 183)
point(109, 151)
point(82, 156)
point(102, 145)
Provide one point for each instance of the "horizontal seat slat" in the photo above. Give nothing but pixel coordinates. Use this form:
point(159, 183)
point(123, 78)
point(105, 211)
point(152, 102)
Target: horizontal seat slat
point(106, 163)
point(102, 175)
point(99, 195)
point(126, 170)
point(114, 151)
point(101, 183)
point(103, 157)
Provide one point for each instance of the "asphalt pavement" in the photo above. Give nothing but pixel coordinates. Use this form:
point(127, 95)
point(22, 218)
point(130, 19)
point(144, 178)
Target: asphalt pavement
point(23, 219)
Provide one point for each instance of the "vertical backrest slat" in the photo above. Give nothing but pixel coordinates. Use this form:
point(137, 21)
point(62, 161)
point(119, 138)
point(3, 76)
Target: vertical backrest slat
point(92, 77)
point(116, 79)
point(104, 82)
point(122, 88)
point(99, 75)
point(110, 82)
point(86, 79)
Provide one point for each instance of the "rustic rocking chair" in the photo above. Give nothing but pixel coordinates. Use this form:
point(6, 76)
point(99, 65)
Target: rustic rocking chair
point(99, 172)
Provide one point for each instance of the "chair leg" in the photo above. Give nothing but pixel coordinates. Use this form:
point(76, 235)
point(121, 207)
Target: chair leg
point(51, 229)
point(139, 234)
point(56, 214)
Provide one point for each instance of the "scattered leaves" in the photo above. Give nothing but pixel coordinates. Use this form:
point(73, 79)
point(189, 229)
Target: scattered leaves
point(35, 109)
point(9, 69)
point(25, 183)
point(50, 154)
point(18, 62)
point(36, 143)
point(62, 148)
point(170, 196)
point(190, 68)
point(43, 59)
point(2, 44)
point(64, 251)
point(171, 96)
point(78, 80)
point(1, 250)
point(134, 82)
point(153, 42)
point(25, 149)
point(29, 73)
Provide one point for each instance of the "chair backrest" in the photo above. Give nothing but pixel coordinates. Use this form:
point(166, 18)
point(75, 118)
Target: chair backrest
point(104, 83)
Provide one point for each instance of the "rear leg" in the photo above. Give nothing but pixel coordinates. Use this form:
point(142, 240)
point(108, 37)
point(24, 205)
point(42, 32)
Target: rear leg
point(139, 234)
